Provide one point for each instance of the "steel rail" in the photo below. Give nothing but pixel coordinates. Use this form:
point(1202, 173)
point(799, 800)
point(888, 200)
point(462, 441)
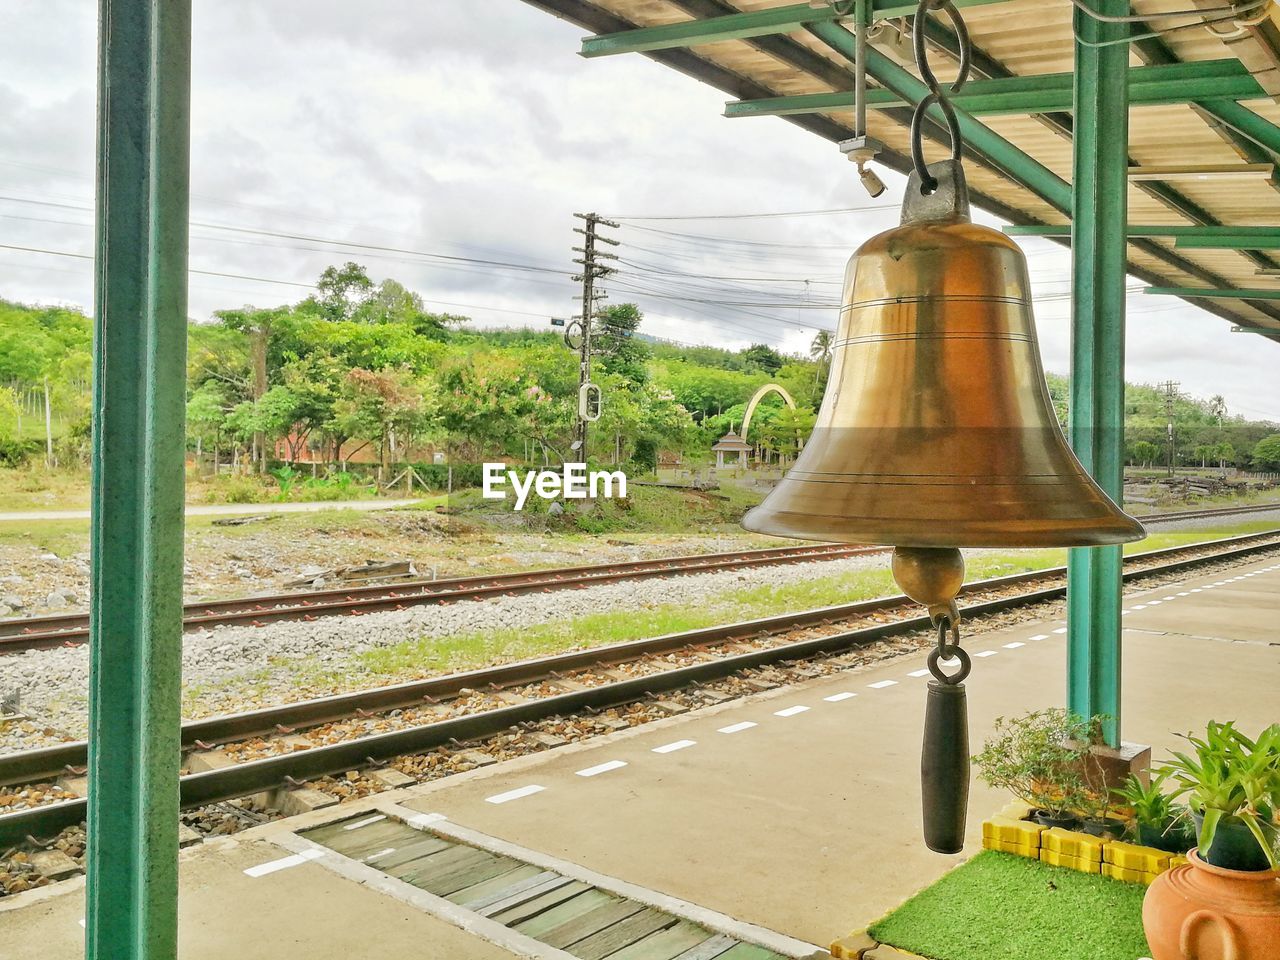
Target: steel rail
point(1206, 514)
point(32, 633)
point(28, 633)
point(270, 773)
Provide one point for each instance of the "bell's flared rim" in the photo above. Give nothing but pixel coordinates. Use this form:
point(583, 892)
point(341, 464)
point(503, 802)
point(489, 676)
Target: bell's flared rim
point(1096, 530)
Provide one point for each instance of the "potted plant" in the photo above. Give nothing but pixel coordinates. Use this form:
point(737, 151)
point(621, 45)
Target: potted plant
point(1039, 758)
point(1226, 900)
point(1157, 818)
point(1232, 785)
point(1096, 818)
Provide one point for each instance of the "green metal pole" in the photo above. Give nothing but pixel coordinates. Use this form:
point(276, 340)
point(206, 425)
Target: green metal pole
point(1096, 418)
point(139, 375)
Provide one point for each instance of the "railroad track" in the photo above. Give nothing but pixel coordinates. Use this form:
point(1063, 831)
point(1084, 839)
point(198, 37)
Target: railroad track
point(574, 688)
point(1158, 518)
point(32, 633)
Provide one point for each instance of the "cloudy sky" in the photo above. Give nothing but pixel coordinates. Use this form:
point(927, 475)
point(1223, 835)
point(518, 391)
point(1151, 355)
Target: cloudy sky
point(449, 143)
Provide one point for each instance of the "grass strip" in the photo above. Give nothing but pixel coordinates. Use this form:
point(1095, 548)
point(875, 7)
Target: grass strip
point(999, 906)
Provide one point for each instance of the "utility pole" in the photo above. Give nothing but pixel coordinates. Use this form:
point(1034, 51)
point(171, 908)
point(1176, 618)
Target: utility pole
point(1170, 388)
point(592, 269)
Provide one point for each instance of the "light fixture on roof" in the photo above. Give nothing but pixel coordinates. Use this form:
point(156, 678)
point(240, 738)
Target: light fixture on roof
point(1202, 171)
point(861, 149)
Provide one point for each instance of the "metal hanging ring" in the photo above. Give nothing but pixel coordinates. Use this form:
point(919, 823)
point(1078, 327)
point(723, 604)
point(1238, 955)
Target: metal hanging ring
point(929, 183)
point(937, 95)
point(948, 651)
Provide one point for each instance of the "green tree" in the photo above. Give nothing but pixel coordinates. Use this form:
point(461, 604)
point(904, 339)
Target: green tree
point(763, 357)
point(1266, 453)
point(621, 352)
point(343, 291)
point(389, 407)
point(707, 391)
point(207, 414)
point(1224, 453)
point(1143, 452)
point(820, 350)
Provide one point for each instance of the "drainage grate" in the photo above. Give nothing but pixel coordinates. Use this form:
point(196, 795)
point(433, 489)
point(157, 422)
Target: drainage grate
point(570, 915)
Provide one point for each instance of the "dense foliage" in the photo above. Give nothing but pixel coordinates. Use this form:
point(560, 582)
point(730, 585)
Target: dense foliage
point(362, 365)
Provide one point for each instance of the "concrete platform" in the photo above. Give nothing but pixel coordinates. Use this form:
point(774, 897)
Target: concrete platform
point(808, 822)
point(796, 810)
point(302, 911)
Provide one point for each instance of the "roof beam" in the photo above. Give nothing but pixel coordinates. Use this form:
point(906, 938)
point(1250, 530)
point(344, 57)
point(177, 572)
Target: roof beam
point(1244, 122)
point(1175, 83)
point(1230, 241)
point(1193, 293)
point(1062, 123)
point(1189, 231)
point(995, 149)
point(590, 16)
point(738, 26)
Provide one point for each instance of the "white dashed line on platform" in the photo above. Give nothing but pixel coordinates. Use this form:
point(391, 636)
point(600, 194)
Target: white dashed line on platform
point(838, 697)
point(284, 863)
point(1015, 645)
point(986, 653)
point(423, 819)
point(919, 673)
point(1039, 636)
point(365, 822)
point(737, 727)
point(673, 747)
point(881, 684)
point(1061, 630)
point(516, 794)
point(600, 768)
point(790, 711)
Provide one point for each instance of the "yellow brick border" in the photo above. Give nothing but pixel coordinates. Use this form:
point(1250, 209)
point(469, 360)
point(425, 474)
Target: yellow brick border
point(1012, 831)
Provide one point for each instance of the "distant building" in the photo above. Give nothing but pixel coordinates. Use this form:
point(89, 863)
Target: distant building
point(734, 444)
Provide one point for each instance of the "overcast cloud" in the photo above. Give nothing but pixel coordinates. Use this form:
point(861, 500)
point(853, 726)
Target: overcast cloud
point(473, 129)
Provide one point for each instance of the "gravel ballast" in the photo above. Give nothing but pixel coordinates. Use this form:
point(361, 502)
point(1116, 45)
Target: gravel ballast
point(54, 682)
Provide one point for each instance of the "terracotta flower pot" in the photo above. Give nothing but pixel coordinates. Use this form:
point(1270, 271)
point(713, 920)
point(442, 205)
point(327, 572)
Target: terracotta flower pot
point(1201, 912)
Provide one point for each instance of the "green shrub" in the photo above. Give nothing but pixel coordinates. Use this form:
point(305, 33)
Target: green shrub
point(15, 452)
point(1039, 758)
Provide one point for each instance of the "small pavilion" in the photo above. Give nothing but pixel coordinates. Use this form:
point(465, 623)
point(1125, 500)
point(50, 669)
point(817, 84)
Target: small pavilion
point(731, 443)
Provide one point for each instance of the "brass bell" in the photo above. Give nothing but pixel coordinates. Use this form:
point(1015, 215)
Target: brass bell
point(937, 432)
point(937, 428)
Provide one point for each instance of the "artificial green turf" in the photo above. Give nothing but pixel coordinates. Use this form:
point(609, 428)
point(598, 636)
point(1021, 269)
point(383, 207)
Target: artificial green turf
point(999, 906)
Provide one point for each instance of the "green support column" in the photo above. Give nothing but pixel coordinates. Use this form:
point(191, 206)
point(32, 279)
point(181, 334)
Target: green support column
point(139, 381)
point(1096, 426)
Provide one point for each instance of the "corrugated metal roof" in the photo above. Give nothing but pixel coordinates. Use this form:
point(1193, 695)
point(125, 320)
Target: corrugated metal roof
point(1024, 38)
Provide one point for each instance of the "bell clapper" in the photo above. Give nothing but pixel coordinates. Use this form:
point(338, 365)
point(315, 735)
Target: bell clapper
point(933, 577)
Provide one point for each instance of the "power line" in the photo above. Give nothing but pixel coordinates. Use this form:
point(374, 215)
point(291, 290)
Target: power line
point(831, 211)
point(703, 237)
point(203, 273)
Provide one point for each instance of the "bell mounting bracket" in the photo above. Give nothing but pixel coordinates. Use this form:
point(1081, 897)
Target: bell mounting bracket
point(948, 201)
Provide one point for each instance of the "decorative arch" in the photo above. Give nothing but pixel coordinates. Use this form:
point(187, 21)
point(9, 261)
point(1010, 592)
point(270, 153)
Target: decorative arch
point(760, 394)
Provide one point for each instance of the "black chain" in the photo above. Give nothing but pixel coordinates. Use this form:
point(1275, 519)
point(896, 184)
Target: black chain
point(948, 649)
point(936, 94)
